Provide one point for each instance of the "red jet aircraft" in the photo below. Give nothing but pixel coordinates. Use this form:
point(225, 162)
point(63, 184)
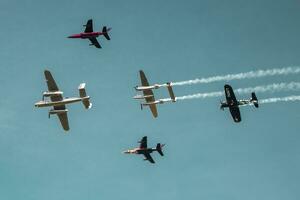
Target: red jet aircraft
point(91, 35)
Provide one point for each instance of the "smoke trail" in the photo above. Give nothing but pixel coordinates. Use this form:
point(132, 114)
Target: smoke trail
point(280, 99)
point(246, 75)
point(275, 87)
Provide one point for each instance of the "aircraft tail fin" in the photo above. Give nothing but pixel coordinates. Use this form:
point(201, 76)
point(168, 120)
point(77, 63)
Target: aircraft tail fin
point(171, 93)
point(85, 99)
point(105, 32)
point(254, 99)
point(159, 148)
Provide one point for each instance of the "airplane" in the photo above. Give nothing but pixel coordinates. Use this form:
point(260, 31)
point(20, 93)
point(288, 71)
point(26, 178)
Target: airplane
point(59, 103)
point(143, 149)
point(91, 35)
point(234, 104)
point(149, 96)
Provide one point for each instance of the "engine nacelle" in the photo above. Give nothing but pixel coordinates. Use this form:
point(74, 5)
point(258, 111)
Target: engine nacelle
point(49, 94)
point(55, 112)
point(161, 101)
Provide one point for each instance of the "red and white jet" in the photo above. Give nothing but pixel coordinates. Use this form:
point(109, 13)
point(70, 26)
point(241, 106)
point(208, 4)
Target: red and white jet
point(91, 35)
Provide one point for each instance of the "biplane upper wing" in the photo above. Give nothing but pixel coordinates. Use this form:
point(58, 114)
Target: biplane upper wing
point(89, 26)
point(143, 142)
point(149, 94)
point(149, 157)
point(232, 103)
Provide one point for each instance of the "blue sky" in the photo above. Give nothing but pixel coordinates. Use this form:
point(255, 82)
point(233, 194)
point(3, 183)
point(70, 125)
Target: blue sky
point(207, 156)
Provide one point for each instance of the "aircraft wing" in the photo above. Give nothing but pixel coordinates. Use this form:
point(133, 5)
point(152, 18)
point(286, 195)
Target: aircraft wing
point(89, 26)
point(230, 97)
point(232, 103)
point(153, 110)
point(143, 142)
point(149, 157)
point(148, 93)
point(95, 42)
point(63, 117)
point(235, 113)
point(144, 80)
point(52, 87)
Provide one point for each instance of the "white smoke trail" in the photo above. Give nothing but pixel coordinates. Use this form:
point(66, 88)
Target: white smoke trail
point(246, 75)
point(275, 87)
point(280, 99)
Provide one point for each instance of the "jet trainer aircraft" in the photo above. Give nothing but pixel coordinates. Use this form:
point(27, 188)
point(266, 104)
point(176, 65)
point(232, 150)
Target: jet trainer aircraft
point(234, 104)
point(149, 96)
point(143, 149)
point(59, 103)
point(91, 35)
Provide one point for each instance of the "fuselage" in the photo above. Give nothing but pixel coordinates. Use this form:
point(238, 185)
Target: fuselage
point(140, 150)
point(142, 96)
point(60, 103)
point(160, 101)
point(151, 87)
point(225, 104)
point(86, 35)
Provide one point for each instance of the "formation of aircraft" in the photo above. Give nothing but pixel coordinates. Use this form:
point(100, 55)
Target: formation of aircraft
point(91, 35)
point(148, 95)
point(54, 96)
point(234, 104)
point(59, 103)
point(143, 149)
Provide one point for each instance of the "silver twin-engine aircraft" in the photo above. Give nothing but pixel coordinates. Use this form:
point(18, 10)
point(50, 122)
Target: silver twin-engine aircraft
point(59, 103)
point(149, 96)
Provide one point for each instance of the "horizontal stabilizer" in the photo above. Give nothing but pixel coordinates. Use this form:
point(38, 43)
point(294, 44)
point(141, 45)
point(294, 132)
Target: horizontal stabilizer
point(171, 93)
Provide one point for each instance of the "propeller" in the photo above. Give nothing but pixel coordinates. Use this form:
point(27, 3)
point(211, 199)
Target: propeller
point(221, 105)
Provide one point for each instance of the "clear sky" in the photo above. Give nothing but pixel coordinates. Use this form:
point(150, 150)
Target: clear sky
point(207, 156)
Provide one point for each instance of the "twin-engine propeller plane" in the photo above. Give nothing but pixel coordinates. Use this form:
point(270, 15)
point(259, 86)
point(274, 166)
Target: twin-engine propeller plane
point(149, 96)
point(234, 104)
point(143, 149)
point(59, 103)
point(91, 35)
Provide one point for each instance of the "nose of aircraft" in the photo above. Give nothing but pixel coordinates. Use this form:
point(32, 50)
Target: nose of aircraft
point(125, 152)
